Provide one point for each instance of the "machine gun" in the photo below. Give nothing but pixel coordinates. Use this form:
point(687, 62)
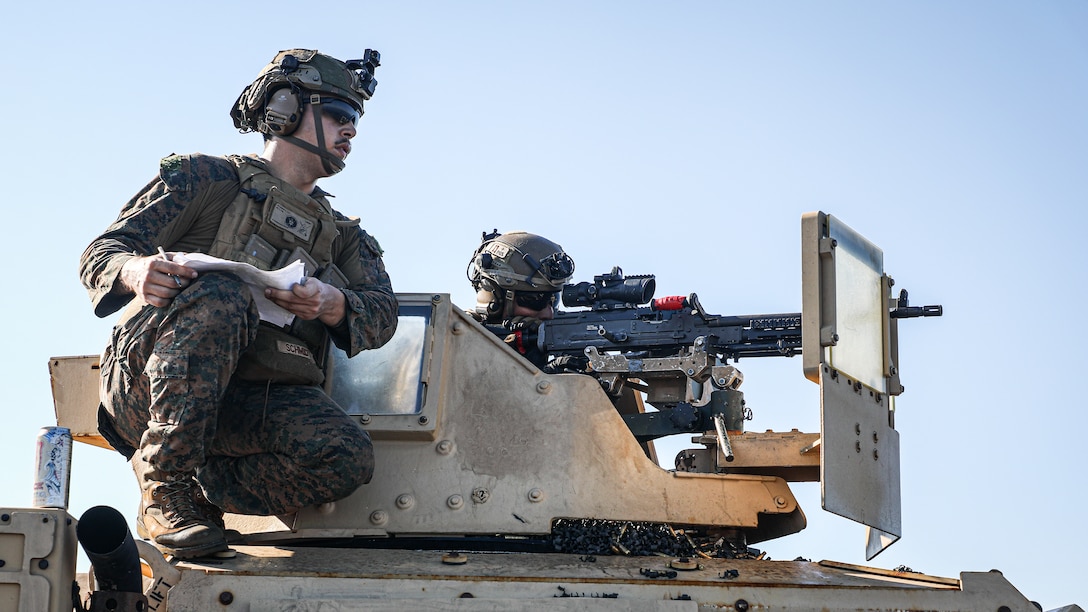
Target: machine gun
point(672, 349)
point(618, 321)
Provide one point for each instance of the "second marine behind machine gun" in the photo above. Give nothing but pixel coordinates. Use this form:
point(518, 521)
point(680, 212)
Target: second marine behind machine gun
point(672, 350)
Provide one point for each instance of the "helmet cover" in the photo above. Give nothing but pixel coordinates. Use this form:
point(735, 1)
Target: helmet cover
point(292, 78)
point(519, 261)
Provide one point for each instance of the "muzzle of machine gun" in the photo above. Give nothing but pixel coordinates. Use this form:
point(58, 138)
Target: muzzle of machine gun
point(612, 290)
point(903, 309)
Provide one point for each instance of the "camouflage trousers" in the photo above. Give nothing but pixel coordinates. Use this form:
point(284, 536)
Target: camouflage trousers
point(255, 448)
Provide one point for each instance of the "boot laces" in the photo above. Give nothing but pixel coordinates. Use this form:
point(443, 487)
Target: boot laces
point(178, 503)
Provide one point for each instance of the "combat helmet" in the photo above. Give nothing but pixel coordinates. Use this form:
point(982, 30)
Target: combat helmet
point(513, 262)
point(273, 103)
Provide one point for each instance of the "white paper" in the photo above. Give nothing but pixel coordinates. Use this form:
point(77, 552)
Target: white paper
point(256, 279)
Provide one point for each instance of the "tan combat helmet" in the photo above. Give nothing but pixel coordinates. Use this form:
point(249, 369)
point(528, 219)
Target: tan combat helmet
point(505, 264)
point(274, 102)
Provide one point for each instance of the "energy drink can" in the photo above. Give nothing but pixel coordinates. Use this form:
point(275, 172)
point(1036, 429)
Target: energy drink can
point(54, 468)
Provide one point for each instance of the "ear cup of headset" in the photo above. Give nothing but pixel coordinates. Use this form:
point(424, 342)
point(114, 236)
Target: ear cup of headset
point(283, 111)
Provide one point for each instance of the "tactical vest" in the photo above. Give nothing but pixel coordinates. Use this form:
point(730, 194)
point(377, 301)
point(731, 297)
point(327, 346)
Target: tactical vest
point(269, 225)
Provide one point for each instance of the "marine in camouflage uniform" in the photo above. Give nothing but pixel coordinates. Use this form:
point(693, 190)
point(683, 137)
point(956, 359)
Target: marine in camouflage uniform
point(518, 278)
point(205, 430)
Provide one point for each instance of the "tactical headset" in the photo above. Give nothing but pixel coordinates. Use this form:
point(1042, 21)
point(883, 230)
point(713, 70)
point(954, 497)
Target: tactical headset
point(273, 103)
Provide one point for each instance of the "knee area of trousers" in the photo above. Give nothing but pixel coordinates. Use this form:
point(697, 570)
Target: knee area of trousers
point(354, 463)
point(220, 293)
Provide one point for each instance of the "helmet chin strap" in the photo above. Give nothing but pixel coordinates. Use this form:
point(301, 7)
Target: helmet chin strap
point(330, 162)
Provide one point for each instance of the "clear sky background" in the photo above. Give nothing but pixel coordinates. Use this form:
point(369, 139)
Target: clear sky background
point(681, 139)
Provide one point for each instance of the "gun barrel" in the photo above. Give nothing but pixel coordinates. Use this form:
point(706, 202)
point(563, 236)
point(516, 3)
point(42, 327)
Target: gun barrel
point(910, 312)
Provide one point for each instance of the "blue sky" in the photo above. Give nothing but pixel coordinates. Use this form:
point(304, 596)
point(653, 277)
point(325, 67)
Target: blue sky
point(683, 140)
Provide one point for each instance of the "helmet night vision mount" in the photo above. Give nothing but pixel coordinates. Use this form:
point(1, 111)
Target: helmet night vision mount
point(273, 104)
point(515, 261)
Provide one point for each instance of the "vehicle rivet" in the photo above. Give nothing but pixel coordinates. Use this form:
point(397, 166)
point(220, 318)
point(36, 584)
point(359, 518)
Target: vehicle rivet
point(365, 419)
point(480, 495)
point(2, 563)
point(405, 501)
point(326, 508)
point(690, 371)
point(454, 558)
point(780, 501)
point(741, 605)
point(444, 447)
point(43, 564)
point(423, 419)
point(379, 517)
point(455, 502)
point(683, 564)
point(226, 598)
point(544, 387)
point(436, 298)
point(536, 495)
point(458, 328)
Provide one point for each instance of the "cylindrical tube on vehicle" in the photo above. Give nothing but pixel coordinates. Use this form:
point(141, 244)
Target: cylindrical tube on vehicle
point(104, 535)
point(53, 468)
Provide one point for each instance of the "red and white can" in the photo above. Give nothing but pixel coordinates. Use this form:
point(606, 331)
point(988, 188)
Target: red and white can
point(53, 468)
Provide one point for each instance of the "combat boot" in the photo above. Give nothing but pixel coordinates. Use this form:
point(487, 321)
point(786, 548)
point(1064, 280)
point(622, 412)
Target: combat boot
point(169, 517)
point(215, 515)
point(210, 510)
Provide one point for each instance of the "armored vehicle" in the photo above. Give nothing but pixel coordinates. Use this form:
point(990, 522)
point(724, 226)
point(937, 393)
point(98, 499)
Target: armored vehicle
point(501, 487)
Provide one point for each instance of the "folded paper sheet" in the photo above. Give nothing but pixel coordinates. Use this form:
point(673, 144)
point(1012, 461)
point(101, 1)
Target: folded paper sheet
point(257, 280)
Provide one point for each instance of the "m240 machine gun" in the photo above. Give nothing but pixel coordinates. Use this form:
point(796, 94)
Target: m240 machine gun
point(672, 349)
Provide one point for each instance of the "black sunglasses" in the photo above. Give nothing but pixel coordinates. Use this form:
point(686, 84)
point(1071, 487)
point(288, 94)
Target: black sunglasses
point(536, 300)
point(340, 111)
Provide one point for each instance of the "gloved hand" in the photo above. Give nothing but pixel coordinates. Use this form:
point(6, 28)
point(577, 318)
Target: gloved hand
point(567, 363)
point(522, 323)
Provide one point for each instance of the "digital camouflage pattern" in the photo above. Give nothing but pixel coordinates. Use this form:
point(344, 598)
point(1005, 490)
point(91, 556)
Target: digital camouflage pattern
point(254, 448)
point(167, 375)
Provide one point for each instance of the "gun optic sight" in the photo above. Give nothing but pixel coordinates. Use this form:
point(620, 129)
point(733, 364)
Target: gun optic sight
point(611, 290)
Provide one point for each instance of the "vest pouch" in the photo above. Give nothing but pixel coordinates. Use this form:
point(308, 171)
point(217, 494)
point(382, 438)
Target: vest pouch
point(259, 254)
point(332, 275)
point(309, 266)
point(278, 357)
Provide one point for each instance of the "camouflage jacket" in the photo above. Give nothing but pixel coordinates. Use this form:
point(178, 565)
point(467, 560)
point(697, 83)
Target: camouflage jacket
point(182, 211)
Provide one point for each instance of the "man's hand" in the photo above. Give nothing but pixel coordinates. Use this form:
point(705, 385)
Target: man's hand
point(311, 299)
point(567, 363)
point(522, 323)
point(154, 279)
